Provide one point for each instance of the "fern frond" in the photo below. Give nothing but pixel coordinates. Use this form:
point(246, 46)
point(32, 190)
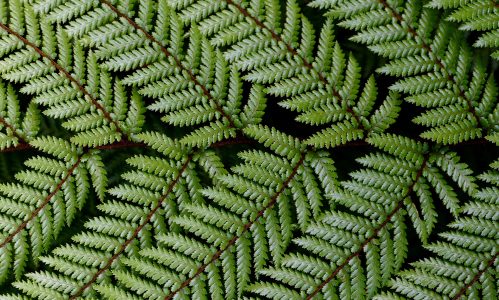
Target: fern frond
point(155, 192)
point(325, 89)
point(464, 263)
point(232, 208)
point(263, 181)
point(248, 221)
point(48, 195)
point(369, 218)
point(436, 68)
point(17, 131)
point(478, 16)
point(60, 76)
point(192, 87)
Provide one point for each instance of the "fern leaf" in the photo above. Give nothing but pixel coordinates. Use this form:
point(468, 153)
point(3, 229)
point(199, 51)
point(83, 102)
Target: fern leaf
point(47, 196)
point(283, 62)
point(46, 71)
point(243, 220)
point(17, 132)
point(231, 207)
point(474, 16)
point(129, 225)
point(369, 203)
point(463, 261)
point(427, 65)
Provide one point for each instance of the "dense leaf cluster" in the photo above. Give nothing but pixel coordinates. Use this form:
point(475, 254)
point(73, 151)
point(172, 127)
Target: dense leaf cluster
point(195, 149)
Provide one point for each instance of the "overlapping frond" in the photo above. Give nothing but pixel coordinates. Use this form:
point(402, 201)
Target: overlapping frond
point(477, 15)
point(465, 258)
point(67, 80)
point(436, 67)
point(231, 208)
point(246, 222)
point(278, 50)
point(45, 198)
point(354, 249)
point(142, 209)
point(192, 86)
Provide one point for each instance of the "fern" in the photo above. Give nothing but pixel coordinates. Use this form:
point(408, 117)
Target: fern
point(96, 111)
point(465, 257)
point(265, 179)
point(47, 197)
point(17, 131)
point(369, 219)
point(195, 149)
point(309, 80)
point(324, 89)
point(436, 65)
point(377, 193)
point(133, 220)
point(474, 16)
point(200, 75)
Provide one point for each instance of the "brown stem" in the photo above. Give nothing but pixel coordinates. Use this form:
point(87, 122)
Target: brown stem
point(19, 147)
point(235, 141)
point(293, 51)
point(387, 220)
point(480, 141)
point(229, 142)
point(351, 144)
point(437, 60)
point(246, 227)
point(14, 131)
point(135, 233)
point(62, 70)
point(121, 144)
point(42, 205)
point(475, 279)
point(167, 53)
point(117, 145)
point(357, 143)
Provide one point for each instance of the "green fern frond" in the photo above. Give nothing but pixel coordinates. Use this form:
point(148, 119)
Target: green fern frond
point(240, 202)
point(61, 76)
point(324, 89)
point(241, 210)
point(369, 218)
point(200, 75)
point(247, 222)
point(144, 207)
point(464, 263)
point(48, 195)
point(475, 16)
point(436, 68)
point(191, 87)
point(17, 131)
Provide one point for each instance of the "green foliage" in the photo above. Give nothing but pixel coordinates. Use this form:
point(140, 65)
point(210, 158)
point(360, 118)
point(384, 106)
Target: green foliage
point(15, 130)
point(463, 254)
point(65, 79)
point(436, 67)
point(46, 197)
point(248, 149)
point(475, 16)
point(324, 86)
point(369, 216)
